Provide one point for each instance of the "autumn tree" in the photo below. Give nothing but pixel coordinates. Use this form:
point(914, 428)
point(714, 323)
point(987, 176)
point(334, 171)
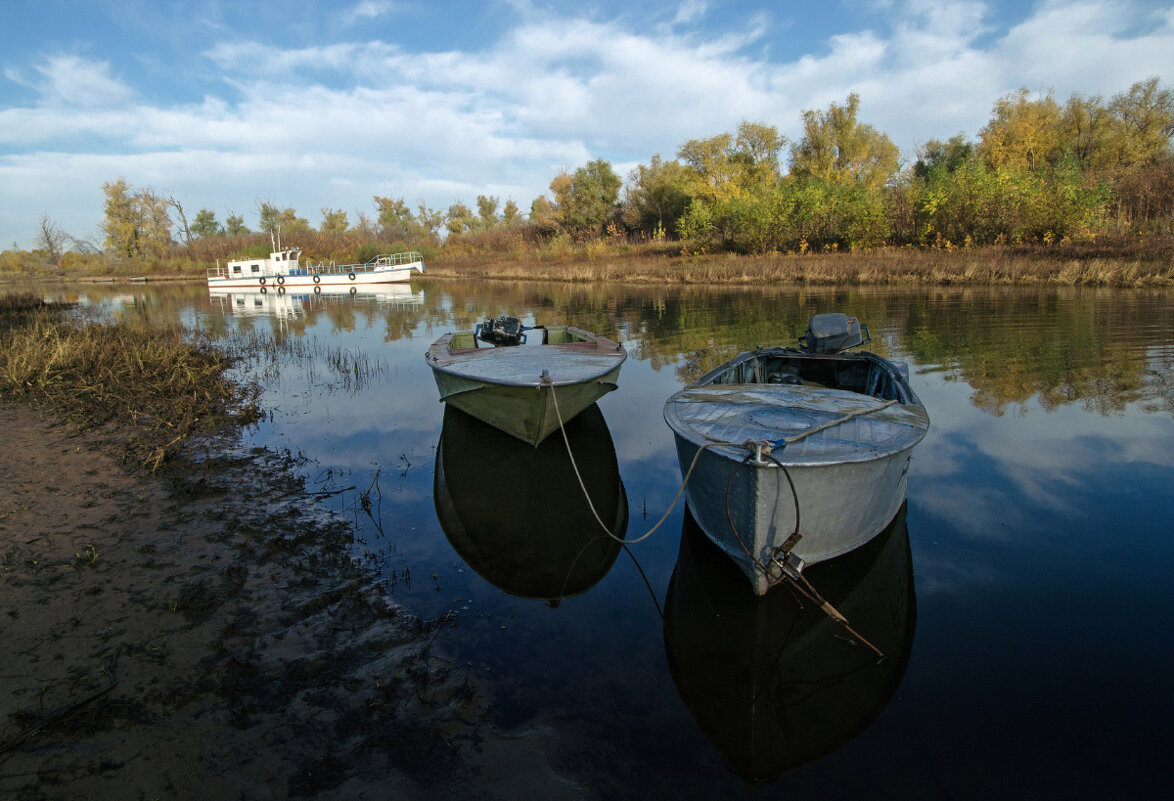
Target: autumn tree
point(334, 222)
point(487, 212)
point(1143, 122)
point(1023, 133)
point(460, 219)
point(234, 225)
point(936, 157)
point(657, 196)
point(429, 222)
point(137, 223)
point(585, 199)
point(204, 224)
point(364, 227)
point(394, 219)
point(511, 215)
point(284, 220)
point(838, 149)
point(712, 166)
point(543, 215)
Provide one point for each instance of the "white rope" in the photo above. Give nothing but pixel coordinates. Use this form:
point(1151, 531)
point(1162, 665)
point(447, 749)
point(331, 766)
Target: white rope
point(586, 494)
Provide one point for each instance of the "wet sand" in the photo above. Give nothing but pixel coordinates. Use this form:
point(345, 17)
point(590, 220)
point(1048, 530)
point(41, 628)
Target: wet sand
point(205, 634)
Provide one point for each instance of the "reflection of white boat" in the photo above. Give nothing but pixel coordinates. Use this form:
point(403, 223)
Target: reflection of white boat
point(293, 302)
point(514, 386)
point(283, 270)
point(772, 681)
point(544, 541)
point(801, 455)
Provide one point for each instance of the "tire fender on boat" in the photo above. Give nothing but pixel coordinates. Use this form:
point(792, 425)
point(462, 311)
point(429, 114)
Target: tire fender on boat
point(264, 289)
point(352, 290)
point(262, 280)
point(317, 279)
point(351, 276)
point(317, 289)
point(281, 279)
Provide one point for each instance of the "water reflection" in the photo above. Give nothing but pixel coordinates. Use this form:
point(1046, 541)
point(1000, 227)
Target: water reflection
point(284, 303)
point(775, 684)
point(517, 514)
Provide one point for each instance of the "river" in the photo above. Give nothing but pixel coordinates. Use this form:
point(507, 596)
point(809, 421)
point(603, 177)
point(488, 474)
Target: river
point(1024, 593)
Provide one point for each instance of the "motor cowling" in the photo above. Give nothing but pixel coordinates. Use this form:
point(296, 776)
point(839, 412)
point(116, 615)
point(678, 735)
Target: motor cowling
point(502, 330)
point(830, 333)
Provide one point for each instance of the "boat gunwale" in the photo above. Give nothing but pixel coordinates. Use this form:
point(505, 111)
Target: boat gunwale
point(735, 452)
point(604, 347)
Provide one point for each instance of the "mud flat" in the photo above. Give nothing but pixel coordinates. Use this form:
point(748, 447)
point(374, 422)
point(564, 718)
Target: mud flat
point(204, 633)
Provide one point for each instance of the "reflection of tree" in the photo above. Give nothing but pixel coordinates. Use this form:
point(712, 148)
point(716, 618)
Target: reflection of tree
point(1102, 349)
point(1054, 346)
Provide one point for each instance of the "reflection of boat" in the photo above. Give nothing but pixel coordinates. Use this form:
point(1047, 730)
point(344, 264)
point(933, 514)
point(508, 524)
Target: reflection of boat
point(803, 453)
point(775, 685)
point(517, 515)
point(283, 270)
point(516, 386)
point(295, 301)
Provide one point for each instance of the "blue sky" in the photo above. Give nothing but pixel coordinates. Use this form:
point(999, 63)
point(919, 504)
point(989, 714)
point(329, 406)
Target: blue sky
point(324, 104)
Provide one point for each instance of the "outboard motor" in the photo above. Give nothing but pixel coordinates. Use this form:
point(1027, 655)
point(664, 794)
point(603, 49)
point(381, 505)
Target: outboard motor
point(502, 330)
point(830, 333)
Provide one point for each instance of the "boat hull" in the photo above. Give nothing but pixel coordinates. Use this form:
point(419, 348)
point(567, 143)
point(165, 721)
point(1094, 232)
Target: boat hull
point(524, 390)
point(525, 412)
point(277, 283)
point(801, 453)
point(841, 506)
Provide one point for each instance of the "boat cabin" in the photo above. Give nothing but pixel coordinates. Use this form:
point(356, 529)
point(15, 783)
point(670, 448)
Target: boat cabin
point(280, 262)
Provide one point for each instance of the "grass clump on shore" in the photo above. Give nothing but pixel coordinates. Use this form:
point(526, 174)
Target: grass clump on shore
point(164, 383)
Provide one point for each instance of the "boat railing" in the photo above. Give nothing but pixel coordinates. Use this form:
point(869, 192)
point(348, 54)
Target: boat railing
point(393, 259)
point(407, 260)
point(382, 262)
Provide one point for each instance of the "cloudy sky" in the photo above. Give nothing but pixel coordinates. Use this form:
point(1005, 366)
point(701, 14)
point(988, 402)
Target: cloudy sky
point(324, 103)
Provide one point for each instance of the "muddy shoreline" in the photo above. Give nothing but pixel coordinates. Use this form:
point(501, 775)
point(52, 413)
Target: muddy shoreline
point(204, 633)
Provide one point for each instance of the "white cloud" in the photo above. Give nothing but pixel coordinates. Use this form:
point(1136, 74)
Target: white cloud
point(690, 11)
point(367, 10)
point(551, 93)
point(72, 81)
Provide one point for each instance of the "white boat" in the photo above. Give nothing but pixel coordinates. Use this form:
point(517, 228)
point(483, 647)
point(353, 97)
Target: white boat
point(283, 270)
point(795, 456)
point(519, 387)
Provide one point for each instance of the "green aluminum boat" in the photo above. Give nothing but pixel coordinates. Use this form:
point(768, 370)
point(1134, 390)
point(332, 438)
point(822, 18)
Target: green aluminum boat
point(513, 384)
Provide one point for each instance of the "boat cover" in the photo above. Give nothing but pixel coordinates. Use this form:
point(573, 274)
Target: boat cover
point(735, 413)
point(523, 365)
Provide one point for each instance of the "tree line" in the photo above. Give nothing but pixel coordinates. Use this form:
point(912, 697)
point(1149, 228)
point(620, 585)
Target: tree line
point(1040, 170)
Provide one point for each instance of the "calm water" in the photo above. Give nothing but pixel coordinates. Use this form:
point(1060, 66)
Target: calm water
point(1024, 596)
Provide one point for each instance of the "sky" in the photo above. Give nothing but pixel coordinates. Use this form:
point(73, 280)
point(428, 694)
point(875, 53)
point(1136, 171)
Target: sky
point(323, 104)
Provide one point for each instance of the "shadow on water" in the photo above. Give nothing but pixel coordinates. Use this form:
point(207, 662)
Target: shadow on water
point(774, 683)
point(517, 514)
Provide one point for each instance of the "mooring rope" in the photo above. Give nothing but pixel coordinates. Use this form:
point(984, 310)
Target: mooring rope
point(793, 577)
point(587, 495)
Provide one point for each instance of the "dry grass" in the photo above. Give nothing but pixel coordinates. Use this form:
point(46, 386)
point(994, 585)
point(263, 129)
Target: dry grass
point(523, 253)
point(166, 383)
point(890, 266)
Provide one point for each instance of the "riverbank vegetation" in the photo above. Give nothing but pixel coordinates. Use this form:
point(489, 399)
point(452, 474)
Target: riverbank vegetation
point(1079, 192)
point(163, 383)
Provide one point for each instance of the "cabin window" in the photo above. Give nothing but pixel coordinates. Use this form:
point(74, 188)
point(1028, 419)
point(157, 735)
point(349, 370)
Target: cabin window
point(236, 269)
point(255, 268)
